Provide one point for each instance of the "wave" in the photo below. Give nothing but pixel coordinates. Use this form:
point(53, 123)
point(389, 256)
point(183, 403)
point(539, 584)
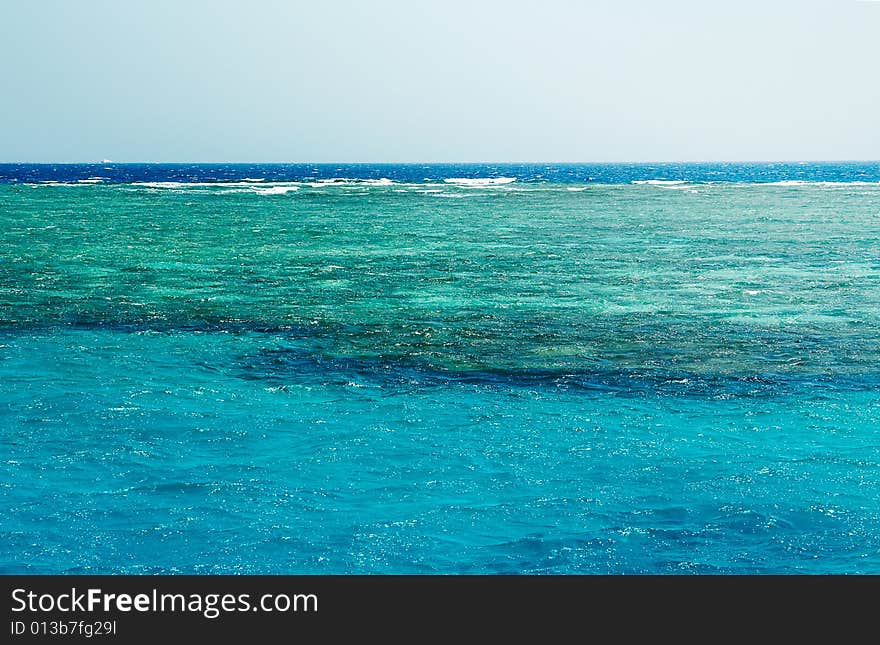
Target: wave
point(677, 184)
point(180, 185)
point(669, 184)
point(274, 190)
point(63, 184)
point(430, 186)
point(825, 184)
point(259, 184)
point(480, 181)
point(249, 184)
point(343, 181)
point(660, 182)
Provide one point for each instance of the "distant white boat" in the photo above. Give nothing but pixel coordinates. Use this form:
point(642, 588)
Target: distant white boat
point(106, 161)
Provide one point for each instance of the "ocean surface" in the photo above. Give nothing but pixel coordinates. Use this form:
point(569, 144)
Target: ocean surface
point(618, 368)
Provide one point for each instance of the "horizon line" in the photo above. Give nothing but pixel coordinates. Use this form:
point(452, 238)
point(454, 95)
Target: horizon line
point(423, 163)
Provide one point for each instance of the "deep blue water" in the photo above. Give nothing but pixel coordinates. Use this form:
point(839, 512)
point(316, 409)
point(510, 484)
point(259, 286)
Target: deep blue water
point(602, 173)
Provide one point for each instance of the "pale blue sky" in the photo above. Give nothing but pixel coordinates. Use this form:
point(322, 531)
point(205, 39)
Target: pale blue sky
point(439, 81)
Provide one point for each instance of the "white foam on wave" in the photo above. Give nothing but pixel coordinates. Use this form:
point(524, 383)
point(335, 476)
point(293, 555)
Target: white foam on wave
point(274, 190)
point(91, 181)
point(343, 181)
point(669, 184)
point(320, 183)
point(823, 184)
point(179, 185)
point(659, 182)
point(479, 181)
point(250, 184)
point(576, 189)
point(64, 184)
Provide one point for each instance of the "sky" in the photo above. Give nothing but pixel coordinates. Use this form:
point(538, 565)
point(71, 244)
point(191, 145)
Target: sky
point(442, 81)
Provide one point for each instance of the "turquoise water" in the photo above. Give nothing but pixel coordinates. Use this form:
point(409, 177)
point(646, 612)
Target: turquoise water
point(414, 375)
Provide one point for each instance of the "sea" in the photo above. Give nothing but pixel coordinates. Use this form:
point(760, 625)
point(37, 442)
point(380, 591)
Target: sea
point(440, 369)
